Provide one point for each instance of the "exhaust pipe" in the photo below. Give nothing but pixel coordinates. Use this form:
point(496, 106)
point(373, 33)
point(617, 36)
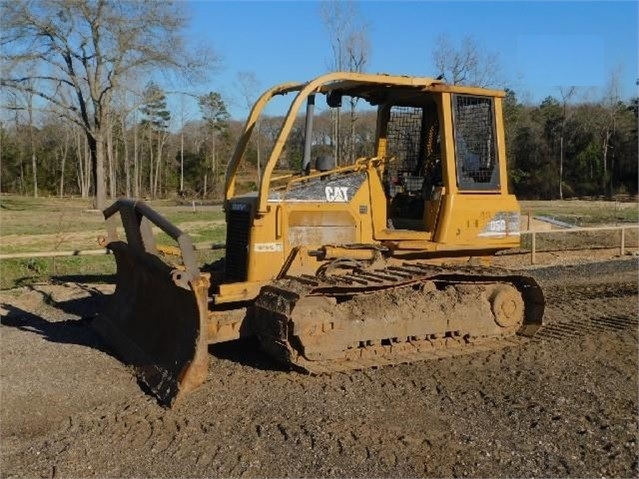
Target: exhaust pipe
point(308, 134)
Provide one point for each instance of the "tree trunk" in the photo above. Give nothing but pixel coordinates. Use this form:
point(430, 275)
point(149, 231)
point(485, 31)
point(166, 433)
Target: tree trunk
point(21, 162)
point(604, 149)
point(158, 164)
point(34, 168)
point(182, 160)
point(97, 148)
point(116, 158)
point(612, 174)
point(21, 173)
point(136, 162)
point(100, 186)
point(63, 152)
point(62, 165)
point(605, 158)
point(34, 162)
point(127, 166)
point(150, 164)
point(87, 169)
point(213, 163)
point(94, 168)
point(110, 158)
point(19, 147)
point(561, 166)
point(79, 147)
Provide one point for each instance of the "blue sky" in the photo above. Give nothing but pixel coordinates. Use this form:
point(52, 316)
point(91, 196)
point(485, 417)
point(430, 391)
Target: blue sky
point(541, 45)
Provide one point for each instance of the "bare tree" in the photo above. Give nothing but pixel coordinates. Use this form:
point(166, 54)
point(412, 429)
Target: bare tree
point(182, 123)
point(566, 93)
point(111, 154)
point(249, 86)
point(215, 116)
point(612, 105)
point(156, 122)
point(14, 106)
point(125, 143)
point(83, 157)
point(24, 102)
point(32, 145)
point(87, 47)
point(350, 48)
point(467, 64)
point(338, 17)
point(358, 50)
point(63, 151)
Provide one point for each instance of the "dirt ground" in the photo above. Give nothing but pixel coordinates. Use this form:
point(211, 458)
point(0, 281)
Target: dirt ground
point(562, 404)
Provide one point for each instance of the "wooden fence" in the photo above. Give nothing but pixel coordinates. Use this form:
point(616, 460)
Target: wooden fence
point(217, 246)
point(534, 234)
point(93, 252)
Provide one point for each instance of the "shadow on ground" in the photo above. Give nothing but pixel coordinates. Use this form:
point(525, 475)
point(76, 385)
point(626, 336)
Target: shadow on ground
point(247, 352)
point(85, 278)
point(69, 331)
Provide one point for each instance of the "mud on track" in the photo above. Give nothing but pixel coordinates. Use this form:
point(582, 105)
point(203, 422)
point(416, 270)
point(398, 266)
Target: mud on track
point(563, 404)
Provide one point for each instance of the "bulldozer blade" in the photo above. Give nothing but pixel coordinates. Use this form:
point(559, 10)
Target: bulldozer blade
point(156, 326)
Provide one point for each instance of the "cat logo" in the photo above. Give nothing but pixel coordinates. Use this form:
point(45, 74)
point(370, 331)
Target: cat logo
point(336, 194)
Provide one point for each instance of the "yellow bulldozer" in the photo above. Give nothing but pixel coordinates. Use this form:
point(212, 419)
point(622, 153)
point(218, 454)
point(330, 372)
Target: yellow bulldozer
point(341, 265)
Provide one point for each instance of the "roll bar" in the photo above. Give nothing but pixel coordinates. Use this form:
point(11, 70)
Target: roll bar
point(321, 84)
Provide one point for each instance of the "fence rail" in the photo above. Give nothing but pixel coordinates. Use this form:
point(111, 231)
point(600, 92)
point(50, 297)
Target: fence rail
point(93, 252)
point(534, 234)
point(218, 246)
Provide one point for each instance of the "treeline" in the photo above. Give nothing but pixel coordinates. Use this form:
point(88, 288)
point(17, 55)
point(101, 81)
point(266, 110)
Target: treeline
point(40, 155)
point(76, 119)
point(592, 147)
point(561, 150)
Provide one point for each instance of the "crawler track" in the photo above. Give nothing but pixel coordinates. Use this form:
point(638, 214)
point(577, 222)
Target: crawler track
point(401, 314)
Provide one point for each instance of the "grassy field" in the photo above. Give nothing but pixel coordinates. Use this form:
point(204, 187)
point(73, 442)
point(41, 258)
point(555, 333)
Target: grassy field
point(52, 224)
point(68, 224)
point(584, 213)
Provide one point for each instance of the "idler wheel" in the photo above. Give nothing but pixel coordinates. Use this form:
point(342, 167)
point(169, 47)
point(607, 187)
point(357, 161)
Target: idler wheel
point(507, 306)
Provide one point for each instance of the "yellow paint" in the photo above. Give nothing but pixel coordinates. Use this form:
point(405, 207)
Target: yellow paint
point(285, 235)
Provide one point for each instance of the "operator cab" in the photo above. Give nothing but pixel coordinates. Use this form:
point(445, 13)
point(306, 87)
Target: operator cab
point(410, 122)
point(435, 164)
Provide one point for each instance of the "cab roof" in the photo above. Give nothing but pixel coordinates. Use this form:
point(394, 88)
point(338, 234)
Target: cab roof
point(380, 87)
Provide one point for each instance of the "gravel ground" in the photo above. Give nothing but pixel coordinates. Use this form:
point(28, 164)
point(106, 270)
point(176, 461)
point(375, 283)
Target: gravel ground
point(562, 404)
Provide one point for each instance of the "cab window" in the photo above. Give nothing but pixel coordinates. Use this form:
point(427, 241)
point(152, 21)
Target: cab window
point(475, 143)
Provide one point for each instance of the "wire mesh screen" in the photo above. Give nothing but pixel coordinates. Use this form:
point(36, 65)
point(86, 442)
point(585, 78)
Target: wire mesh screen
point(404, 140)
point(475, 145)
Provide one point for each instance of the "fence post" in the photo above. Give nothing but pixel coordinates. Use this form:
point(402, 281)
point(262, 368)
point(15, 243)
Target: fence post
point(623, 242)
point(532, 248)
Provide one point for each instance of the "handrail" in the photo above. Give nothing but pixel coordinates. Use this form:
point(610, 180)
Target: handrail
point(361, 164)
point(319, 174)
